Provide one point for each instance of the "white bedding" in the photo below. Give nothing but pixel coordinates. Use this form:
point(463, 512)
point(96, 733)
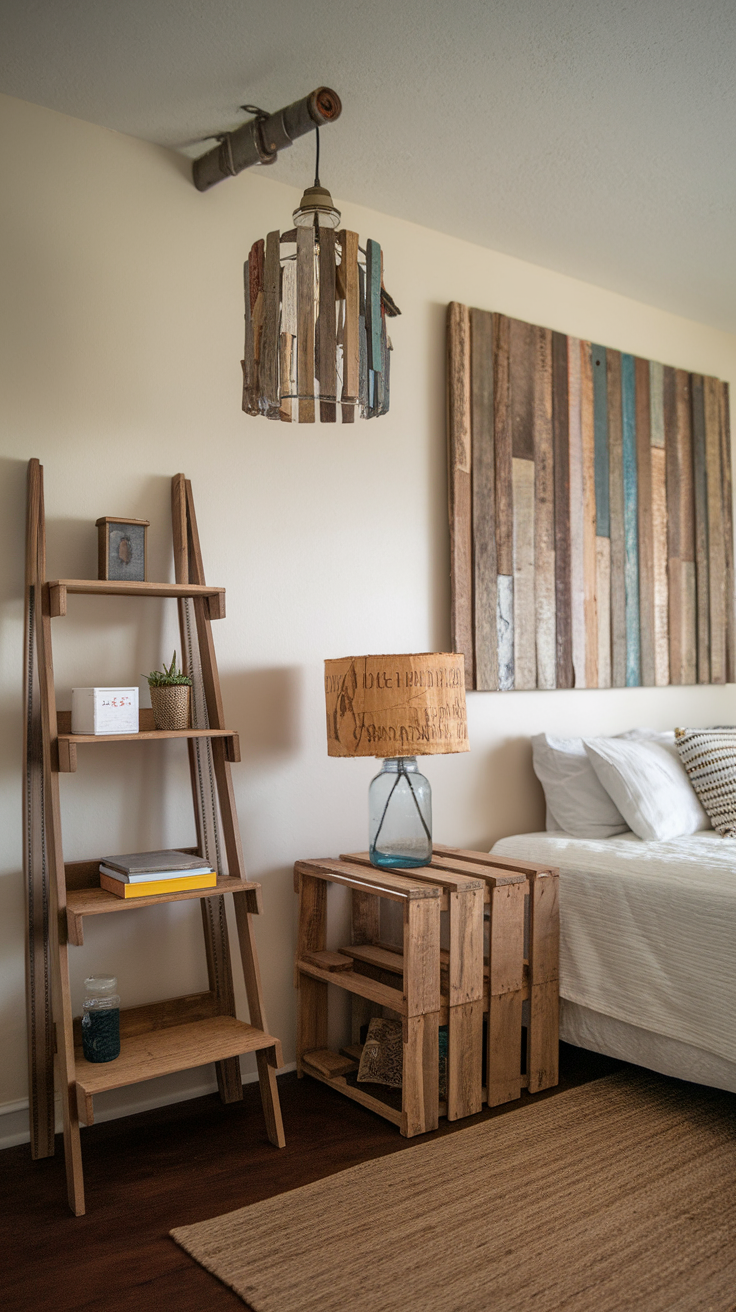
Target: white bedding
point(647, 931)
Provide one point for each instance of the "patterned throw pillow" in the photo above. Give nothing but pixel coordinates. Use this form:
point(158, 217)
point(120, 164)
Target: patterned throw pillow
point(709, 756)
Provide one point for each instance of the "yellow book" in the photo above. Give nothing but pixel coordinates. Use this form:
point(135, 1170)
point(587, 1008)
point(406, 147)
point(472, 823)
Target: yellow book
point(121, 889)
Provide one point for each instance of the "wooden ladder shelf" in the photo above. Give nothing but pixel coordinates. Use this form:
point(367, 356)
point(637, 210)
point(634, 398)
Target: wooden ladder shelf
point(179, 1033)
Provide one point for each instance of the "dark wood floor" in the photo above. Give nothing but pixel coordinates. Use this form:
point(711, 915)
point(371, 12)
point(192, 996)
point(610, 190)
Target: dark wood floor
point(148, 1173)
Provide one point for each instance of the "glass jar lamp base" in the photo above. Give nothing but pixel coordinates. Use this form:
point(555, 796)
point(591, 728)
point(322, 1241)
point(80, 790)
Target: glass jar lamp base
point(390, 861)
point(400, 816)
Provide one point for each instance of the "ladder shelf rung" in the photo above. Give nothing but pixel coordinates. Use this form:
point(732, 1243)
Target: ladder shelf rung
point(60, 588)
point(81, 902)
point(165, 1051)
point(68, 742)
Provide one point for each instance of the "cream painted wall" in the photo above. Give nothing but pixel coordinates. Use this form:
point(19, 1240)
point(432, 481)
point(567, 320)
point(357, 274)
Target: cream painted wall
point(119, 360)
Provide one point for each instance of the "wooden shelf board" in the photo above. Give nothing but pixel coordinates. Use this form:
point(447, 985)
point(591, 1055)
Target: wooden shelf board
point(358, 1095)
point(363, 985)
point(144, 736)
point(165, 1051)
point(67, 742)
point(113, 588)
point(81, 902)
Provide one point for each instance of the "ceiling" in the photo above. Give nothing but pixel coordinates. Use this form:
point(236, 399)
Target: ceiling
point(595, 137)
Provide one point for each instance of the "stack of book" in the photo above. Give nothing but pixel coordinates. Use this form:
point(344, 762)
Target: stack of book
point(140, 874)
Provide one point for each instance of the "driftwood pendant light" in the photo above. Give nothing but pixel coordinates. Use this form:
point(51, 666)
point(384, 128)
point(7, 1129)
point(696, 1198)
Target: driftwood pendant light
point(315, 320)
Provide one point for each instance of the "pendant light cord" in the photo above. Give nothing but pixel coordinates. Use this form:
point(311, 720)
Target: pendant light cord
point(316, 163)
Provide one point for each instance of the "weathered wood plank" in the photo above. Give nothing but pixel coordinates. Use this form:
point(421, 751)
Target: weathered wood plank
point(255, 264)
point(378, 375)
point(544, 514)
point(716, 548)
point(484, 501)
point(286, 355)
point(660, 529)
point(560, 428)
point(269, 372)
point(577, 509)
point(674, 572)
point(521, 388)
point(631, 524)
point(616, 511)
point(460, 458)
point(728, 533)
point(305, 323)
point(525, 663)
point(603, 594)
point(287, 369)
point(587, 431)
point(688, 644)
point(700, 492)
point(326, 327)
point(502, 442)
point(644, 502)
point(656, 406)
point(362, 348)
point(351, 344)
point(544, 953)
point(505, 627)
point(681, 511)
point(685, 450)
point(250, 399)
point(600, 420)
point(506, 951)
point(384, 380)
point(373, 304)
point(689, 620)
point(659, 567)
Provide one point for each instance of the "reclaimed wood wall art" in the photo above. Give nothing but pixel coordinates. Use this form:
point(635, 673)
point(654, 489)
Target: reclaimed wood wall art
point(315, 328)
point(591, 513)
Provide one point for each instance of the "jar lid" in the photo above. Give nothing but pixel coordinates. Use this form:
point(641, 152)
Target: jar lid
point(101, 984)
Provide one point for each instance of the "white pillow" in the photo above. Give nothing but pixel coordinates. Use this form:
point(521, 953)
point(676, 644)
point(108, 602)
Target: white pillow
point(648, 784)
point(576, 801)
point(551, 824)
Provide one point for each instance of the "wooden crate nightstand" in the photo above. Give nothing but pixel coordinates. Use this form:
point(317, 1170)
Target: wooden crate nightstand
point(523, 965)
point(417, 1003)
point(519, 900)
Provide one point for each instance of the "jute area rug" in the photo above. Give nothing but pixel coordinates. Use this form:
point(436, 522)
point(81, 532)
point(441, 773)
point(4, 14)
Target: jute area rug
point(618, 1194)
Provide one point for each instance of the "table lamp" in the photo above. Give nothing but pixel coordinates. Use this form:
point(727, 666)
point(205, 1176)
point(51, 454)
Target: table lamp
point(397, 708)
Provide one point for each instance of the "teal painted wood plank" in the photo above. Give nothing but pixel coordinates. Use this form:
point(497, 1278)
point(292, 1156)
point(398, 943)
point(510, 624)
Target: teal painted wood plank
point(363, 347)
point(373, 304)
point(631, 521)
point(600, 426)
point(383, 382)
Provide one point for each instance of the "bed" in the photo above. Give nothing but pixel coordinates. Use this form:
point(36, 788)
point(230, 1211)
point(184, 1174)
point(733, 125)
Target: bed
point(648, 948)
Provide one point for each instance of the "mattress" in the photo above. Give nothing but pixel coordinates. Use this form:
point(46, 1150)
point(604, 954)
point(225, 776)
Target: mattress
point(589, 1029)
point(647, 932)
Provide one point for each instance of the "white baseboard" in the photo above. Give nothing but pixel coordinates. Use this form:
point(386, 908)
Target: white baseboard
point(14, 1127)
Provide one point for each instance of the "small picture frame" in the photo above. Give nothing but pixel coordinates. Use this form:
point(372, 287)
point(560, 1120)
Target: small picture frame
point(122, 553)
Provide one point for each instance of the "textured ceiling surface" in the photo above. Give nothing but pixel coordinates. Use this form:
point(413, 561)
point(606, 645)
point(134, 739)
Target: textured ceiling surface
point(598, 139)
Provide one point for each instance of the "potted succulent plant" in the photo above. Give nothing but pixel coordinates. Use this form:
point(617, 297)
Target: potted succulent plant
point(170, 696)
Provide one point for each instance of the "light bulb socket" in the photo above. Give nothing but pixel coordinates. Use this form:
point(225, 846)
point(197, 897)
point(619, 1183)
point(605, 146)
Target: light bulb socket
point(316, 208)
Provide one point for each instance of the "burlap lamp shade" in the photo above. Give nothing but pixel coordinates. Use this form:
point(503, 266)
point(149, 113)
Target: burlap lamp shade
point(397, 707)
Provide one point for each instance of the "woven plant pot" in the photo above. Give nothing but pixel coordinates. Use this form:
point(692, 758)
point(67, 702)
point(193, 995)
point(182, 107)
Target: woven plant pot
point(170, 706)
